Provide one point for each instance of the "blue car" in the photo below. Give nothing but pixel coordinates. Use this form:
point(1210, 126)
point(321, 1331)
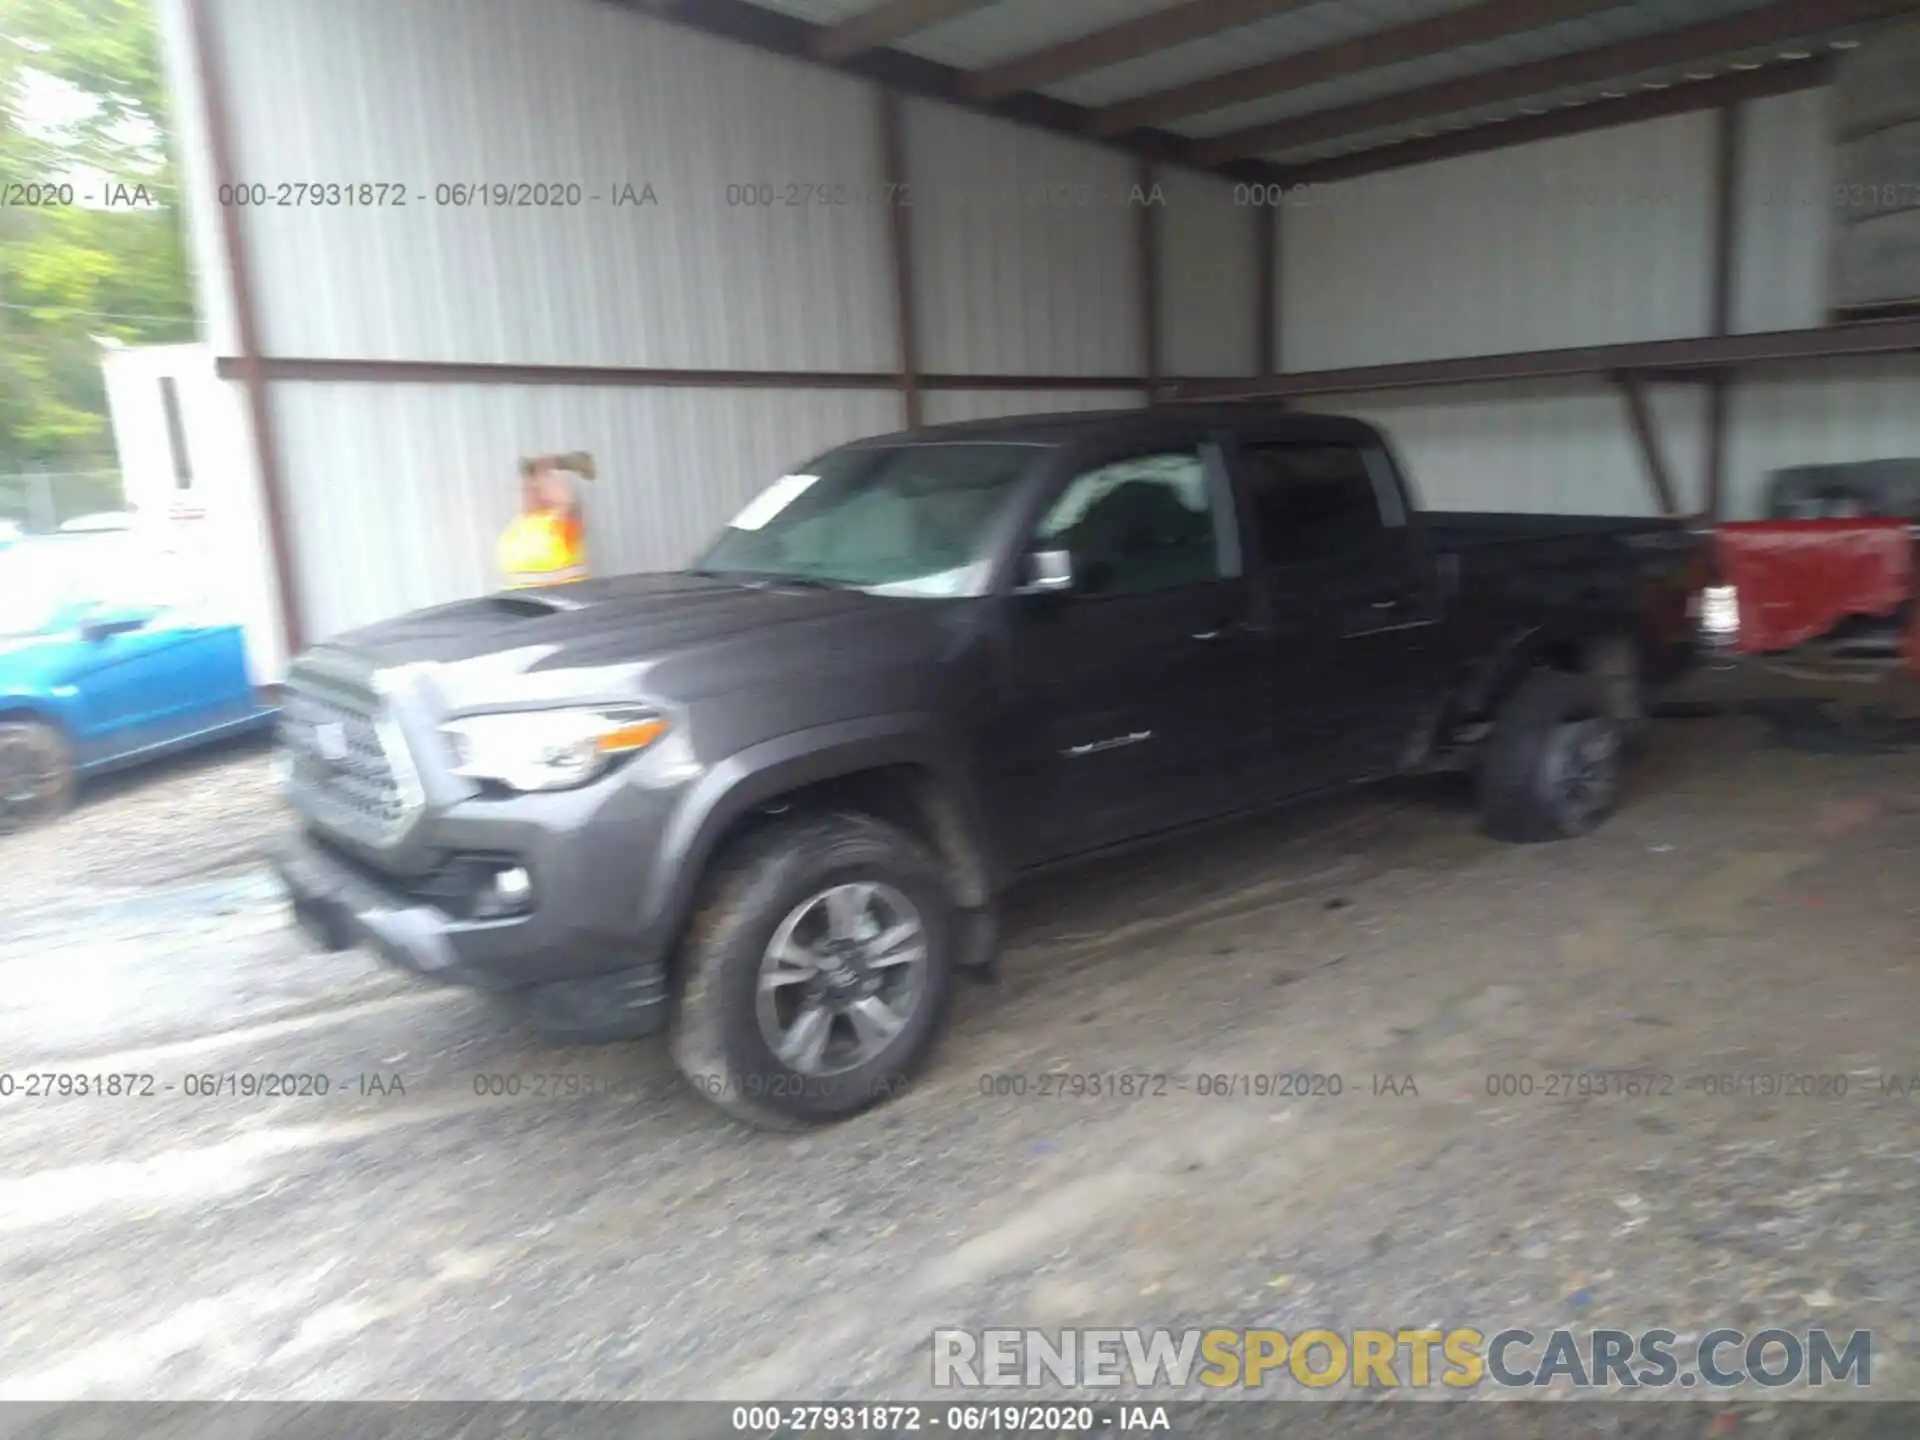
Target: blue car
point(107, 659)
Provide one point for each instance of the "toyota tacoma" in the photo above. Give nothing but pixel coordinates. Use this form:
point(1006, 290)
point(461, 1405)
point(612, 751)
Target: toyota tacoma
point(770, 804)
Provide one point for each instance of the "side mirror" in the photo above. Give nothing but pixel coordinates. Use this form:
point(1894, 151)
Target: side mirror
point(99, 627)
point(1047, 572)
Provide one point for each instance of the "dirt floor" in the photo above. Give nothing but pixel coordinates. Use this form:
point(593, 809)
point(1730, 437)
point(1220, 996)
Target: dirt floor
point(1750, 913)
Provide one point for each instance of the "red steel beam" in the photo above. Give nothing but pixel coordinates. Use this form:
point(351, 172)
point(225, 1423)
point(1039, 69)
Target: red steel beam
point(1640, 414)
point(1726, 253)
point(1777, 24)
point(885, 23)
point(893, 177)
point(1147, 245)
point(1266, 249)
point(1116, 44)
point(1697, 358)
point(1723, 90)
point(251, 367)
point(459, 372)
point(1434, 35)
point(788, 35)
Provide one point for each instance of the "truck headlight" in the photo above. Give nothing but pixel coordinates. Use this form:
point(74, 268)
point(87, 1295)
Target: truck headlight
point(549, 749)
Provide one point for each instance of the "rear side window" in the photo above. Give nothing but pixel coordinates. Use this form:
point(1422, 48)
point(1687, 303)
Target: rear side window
point(1310, 502)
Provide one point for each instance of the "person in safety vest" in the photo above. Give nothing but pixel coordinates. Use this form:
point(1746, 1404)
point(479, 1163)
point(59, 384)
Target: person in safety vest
point(546, 543)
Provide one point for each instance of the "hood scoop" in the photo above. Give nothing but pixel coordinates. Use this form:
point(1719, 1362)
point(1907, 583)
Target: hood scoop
point(534, 602)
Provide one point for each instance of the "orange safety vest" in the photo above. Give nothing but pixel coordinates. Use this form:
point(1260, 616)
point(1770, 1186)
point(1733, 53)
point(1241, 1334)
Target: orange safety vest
point(543, 549)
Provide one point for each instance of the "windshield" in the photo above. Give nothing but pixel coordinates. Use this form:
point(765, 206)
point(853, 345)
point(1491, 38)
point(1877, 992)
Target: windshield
point(35, 590)
point(45, 582)
point(892, 520)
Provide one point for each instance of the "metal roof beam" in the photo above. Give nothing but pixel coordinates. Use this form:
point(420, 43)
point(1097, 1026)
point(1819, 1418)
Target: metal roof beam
point(780, 34)
point(1698, 358)
point(1435, 35)
point(1781, 78)
point(1117, 44)
point(1776, 24)
point(887, 22)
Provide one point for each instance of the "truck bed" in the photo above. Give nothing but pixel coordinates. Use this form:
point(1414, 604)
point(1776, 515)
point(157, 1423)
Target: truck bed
point(1473, 529)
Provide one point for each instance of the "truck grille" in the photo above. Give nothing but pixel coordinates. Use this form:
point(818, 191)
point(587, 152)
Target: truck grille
point(347, 766)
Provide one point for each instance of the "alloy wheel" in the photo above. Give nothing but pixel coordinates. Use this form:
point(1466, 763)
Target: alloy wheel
point(843, 974)
point(1582, 771)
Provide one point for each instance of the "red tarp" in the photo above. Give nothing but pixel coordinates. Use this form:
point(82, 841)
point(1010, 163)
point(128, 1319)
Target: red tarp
point(1797, 579)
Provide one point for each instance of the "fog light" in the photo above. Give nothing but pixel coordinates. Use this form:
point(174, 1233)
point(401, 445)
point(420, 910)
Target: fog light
point(506, 892)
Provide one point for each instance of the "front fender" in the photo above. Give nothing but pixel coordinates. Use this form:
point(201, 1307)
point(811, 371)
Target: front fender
point(764, 772)
point(62, 714)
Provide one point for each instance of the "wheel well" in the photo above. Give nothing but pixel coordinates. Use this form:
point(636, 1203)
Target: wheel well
point(910, 797)
point(13, 715)
point(1481, 698)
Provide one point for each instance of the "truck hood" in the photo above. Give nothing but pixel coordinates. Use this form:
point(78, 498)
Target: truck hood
point(677, 635)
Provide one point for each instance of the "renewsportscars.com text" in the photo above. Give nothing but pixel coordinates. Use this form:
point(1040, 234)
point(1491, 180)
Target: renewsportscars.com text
point(1399, 1358)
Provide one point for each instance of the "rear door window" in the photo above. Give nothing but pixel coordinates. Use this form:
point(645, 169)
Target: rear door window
point(1310, 502)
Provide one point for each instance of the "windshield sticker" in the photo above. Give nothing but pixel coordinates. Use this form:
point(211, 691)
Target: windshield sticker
point(772, 500)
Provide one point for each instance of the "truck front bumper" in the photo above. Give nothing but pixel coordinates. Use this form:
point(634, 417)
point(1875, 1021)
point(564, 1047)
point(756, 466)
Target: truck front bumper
point(560, 971)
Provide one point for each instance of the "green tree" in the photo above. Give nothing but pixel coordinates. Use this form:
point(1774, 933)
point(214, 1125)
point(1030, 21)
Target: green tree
point(82, 100)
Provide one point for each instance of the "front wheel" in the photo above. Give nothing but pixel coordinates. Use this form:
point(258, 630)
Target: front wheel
point(36, 774)
point(817, 972)
point(1552, 767)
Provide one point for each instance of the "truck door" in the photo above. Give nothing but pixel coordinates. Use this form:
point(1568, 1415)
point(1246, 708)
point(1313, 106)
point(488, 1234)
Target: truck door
point(1140, 699)
point(1350, 584)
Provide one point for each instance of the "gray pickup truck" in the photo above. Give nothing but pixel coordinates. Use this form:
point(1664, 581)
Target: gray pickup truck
point(770, 803)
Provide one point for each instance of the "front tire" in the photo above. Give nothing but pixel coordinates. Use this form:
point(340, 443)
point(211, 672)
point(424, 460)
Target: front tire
point(817, 972)
point(1552, 767)
point(36, 774)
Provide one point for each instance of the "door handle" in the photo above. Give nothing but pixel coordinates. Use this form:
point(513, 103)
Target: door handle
point(1392, 604)
point(1214, 632)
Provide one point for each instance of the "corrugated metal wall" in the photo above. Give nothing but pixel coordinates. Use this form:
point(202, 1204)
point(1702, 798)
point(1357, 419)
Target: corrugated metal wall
point(1782, 215)
point(1597, 238)
point(1589, 240)
point(192, 156)
point(500, 92)
point(1866, 410)
point(1024, 249)
point(400, 491)
point(1559, 449)
point(1859, 411)
point(765, 248)
point(1209, 322)
point(946, 406)
point(1593, 239)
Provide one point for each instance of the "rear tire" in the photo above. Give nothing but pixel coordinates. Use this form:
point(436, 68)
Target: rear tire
point(835, 915)
point(1615, 663)
point(36, 774)
point(1552, 765)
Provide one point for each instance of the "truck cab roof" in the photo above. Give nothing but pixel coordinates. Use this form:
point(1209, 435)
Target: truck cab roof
point(1070, 427)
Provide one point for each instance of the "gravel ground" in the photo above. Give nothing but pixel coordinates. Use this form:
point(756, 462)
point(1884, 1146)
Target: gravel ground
point(1749, 913)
